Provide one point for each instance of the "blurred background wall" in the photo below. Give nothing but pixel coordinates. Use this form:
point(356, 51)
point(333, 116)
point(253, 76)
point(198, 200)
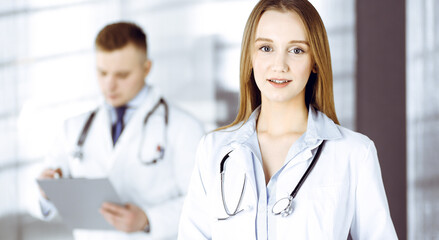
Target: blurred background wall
point(47, 73)
point(423, 118)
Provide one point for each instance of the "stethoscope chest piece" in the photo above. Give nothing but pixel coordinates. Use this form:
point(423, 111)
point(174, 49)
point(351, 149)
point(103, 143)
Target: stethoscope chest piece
point(78, 154)
point(283, 207)
point(156, 155)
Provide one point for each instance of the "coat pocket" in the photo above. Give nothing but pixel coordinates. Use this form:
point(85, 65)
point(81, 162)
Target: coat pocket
point(322, 212)
point(239, 227)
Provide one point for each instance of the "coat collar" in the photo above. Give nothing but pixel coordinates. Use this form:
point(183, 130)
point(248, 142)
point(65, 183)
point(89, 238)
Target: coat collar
point(320, 127)
point(137, 118)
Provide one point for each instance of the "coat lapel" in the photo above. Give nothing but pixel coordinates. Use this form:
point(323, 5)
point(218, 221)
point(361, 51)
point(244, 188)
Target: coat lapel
point(100, 138)
point(244, 162)
point(238, 182)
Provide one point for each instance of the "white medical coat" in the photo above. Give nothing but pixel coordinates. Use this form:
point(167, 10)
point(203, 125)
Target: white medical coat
point(159, 188)
point(343, 194)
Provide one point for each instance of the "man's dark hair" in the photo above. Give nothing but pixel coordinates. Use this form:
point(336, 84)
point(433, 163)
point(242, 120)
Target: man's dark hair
point(117, 35)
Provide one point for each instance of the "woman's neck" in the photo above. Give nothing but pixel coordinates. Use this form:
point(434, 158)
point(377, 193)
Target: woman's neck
point(277, 118)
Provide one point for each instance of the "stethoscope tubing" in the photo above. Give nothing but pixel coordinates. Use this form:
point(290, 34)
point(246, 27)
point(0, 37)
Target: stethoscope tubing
point(166, 119)
point(78, 153)
point(289, 207)
point(308, 170)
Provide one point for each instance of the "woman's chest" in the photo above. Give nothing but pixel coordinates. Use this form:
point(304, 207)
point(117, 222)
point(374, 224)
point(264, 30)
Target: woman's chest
point(323, 207)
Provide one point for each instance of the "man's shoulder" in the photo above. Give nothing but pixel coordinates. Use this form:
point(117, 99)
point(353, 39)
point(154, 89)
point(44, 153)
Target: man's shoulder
point(180, 115)
point(81, 117)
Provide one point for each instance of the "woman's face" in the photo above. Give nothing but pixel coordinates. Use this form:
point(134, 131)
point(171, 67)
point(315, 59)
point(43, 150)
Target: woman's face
point(281, 57)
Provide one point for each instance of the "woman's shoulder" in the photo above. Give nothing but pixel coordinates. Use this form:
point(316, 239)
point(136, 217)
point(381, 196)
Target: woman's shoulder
point(353, 140)
point(213, 147)
point(222, 139)
point(222, 135)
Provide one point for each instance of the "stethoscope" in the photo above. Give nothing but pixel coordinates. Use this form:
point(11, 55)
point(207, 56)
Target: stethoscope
point(283, 206)
point(78, 153)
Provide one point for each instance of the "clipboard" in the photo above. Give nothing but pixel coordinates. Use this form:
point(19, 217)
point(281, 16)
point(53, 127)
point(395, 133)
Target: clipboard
point(78, 200)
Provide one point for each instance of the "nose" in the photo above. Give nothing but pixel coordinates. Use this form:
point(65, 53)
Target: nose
point(110, 83)
point(279, 63)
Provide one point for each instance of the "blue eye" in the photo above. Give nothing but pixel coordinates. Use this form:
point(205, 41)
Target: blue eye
point(297, 51)
point(265, 49)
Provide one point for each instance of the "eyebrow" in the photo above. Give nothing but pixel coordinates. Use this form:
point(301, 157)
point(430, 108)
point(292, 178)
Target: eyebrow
point(292, 41)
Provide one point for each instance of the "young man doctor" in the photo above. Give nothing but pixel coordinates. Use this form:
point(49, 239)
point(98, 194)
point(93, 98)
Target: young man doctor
point(149, 164)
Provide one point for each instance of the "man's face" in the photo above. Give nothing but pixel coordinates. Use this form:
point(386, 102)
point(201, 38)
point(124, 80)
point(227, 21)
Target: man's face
point(121, 73)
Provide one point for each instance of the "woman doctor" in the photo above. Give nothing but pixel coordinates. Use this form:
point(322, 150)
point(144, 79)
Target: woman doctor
point(285, 168)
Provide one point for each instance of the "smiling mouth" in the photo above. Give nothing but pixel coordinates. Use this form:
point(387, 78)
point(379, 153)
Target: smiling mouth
point(279, 81)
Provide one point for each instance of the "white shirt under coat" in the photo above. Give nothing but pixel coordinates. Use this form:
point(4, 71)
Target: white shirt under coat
point(158, 189)
point(344, 193)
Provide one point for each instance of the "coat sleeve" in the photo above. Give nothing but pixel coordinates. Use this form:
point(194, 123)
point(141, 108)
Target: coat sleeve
point(372, 216)
point(164, 217)
point(194, 222)
point(57, 156)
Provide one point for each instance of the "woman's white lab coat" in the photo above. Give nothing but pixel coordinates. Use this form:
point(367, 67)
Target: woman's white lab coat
point(158, 188)
point(343, 195)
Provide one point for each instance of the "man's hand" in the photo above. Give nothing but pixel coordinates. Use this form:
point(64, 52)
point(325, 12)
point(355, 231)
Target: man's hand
point(49, 173)
point(127, 218)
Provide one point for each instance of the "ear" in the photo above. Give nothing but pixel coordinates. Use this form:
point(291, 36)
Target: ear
point(314, 68)
point(147, 67)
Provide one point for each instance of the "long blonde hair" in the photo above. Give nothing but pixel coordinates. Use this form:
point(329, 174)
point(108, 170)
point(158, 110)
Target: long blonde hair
point(318, 92)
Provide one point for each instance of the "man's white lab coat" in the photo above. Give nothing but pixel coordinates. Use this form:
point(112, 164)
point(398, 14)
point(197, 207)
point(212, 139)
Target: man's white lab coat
point(159, 188)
